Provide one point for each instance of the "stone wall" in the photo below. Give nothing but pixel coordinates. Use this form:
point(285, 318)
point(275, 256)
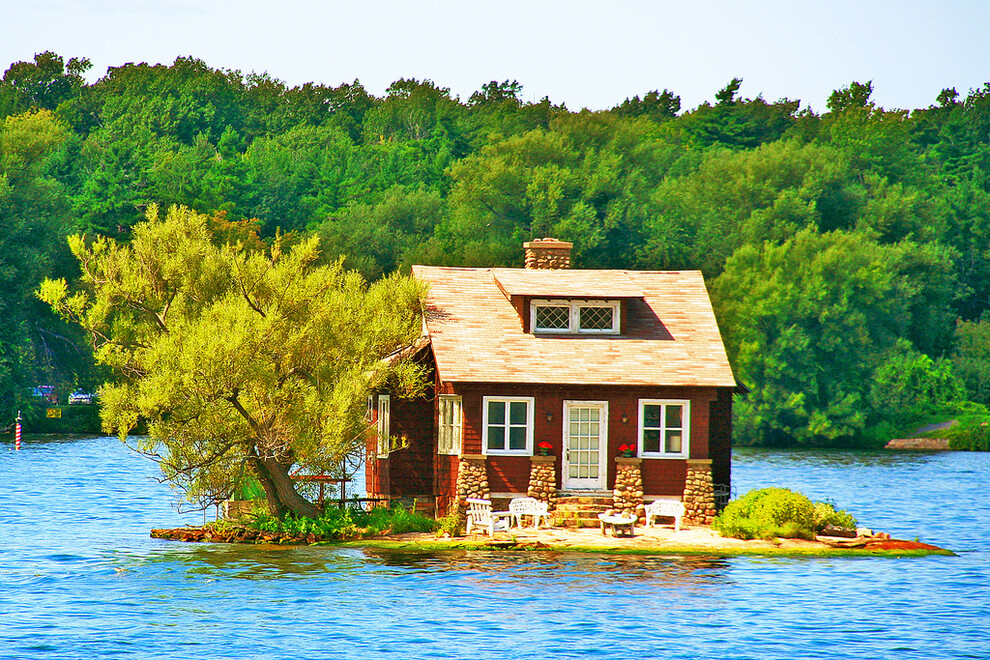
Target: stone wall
point(548, 253)
point(627, 495)
point(543, 479)
point(472, 478)
point(699, 498)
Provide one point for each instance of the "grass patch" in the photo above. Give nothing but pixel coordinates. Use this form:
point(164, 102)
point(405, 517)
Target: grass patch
point(339, 524)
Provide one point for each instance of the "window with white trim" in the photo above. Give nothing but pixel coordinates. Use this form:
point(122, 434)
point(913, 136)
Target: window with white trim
point(664, 428)
point(574, 316)
point(507, 425)
point(449, 426)
point(384, 412)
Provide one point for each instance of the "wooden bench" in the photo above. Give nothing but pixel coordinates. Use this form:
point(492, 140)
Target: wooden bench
point(481, 516)
point(665, 509)
point(620, 525)
point(528, 506)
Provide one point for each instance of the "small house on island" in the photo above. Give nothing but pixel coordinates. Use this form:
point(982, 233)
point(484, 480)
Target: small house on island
point(555, 382)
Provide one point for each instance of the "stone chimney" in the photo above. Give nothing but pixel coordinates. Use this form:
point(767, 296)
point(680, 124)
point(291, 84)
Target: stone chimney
point(548, 253)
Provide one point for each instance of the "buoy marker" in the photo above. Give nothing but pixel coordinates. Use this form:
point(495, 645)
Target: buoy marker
point(17, 432)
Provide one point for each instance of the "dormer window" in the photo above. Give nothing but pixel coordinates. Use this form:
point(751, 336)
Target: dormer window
point(599, 317)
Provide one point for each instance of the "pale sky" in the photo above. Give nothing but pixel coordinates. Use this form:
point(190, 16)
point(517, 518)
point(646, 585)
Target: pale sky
point(590, 54)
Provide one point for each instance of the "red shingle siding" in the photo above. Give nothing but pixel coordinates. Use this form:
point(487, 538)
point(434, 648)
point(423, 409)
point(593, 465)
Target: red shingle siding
point(720, 437)
point(411, 468)
point(511, 473)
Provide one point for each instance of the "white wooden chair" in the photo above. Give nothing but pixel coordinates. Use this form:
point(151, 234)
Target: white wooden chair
point(528, 506)
point(481, 516)
point(665, 509)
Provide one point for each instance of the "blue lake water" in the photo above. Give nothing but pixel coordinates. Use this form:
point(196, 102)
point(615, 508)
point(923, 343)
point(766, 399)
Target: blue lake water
point(80, 578)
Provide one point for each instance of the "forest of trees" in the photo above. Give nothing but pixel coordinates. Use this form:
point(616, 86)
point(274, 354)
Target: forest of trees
point(847, 253)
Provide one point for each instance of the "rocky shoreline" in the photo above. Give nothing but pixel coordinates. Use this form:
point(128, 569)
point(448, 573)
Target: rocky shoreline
point(695, 540)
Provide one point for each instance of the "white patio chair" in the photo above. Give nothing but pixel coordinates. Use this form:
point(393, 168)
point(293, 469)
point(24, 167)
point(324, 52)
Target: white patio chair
point(528, 506)
point(481, 516)
point(665, 508)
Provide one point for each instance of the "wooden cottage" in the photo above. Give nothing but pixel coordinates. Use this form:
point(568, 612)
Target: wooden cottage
point(556, 382)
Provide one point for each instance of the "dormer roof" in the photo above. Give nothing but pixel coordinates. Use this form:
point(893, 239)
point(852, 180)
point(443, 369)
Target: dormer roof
point(523, 282)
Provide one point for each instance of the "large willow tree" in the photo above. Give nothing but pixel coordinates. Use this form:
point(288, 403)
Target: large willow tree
point(240, 361)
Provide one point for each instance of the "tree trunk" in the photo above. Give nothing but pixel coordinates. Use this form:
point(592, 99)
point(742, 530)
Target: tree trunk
point(279, 490)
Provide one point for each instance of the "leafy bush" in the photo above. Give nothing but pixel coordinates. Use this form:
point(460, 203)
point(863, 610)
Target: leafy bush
point(778, 512)
point(826, 514)
point(449, 525)
point(337, 524)
point(397, 520)
point(969, 438)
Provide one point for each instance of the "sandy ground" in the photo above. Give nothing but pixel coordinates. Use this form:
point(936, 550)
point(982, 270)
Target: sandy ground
point(646, 538)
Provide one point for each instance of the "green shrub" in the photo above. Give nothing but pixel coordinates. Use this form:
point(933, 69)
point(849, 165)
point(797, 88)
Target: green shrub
point(826, 514)
point(449, 525)
point(969, 438)
point(337, 524)
point(778, 513)
point(397, 520)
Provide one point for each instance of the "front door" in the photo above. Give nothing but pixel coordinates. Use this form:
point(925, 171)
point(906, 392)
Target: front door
point(585, 440)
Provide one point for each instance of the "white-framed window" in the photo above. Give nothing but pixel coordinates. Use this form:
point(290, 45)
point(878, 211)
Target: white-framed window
point(507, 425)
point(449, 426)
point(384, 412)
point(597, 317)
point(664, 428)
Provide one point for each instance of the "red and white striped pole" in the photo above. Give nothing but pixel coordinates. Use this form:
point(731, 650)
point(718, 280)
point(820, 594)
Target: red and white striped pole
point(17, 432)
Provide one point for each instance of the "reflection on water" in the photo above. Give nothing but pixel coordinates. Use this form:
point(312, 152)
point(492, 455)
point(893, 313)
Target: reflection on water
point(82, 579)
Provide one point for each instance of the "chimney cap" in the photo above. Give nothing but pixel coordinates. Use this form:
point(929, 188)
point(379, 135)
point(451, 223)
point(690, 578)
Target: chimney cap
point(548, 242)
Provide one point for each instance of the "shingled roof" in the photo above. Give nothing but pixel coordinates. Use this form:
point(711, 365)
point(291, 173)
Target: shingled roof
point(476, 333)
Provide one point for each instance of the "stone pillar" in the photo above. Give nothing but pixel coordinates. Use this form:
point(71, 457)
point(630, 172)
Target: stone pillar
point(699, 498)
point(472, 478)
point(548, 253)
point(472, 481)
point(543, 479)
point(627, 495)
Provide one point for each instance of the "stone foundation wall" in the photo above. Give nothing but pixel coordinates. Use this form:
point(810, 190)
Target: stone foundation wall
point(627, 495)
point(543, 479)
point(699, 498)
point(472, 478)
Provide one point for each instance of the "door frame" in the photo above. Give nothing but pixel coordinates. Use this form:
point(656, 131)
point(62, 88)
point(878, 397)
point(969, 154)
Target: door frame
point(602, 448)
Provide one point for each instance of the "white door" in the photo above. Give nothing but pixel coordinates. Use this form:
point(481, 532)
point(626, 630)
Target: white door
point(586, 442)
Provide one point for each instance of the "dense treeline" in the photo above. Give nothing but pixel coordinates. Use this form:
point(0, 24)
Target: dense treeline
point(847, 252)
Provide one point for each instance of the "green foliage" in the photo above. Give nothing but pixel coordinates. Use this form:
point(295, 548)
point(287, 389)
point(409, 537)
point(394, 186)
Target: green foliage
point(826, 515)
point(971, 359)
point(449, 525)
point(778, 513)
point(345, 523)
point(808, 322)
point(74, 419)
point(239, 359)
point(910, 385)
point(971, 433)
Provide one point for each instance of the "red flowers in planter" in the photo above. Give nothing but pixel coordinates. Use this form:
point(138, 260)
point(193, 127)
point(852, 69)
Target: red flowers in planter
point(626, 451)
point(544, 448)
